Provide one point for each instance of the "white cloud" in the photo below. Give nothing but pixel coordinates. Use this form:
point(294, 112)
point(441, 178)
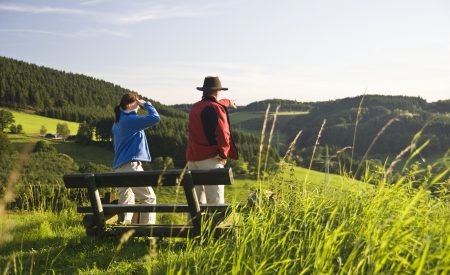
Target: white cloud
point(33, 31)
point(78, 34)
point(39, 9)
point(154, 13)
point(93, 2)
point(125, 17)
point(96, 32)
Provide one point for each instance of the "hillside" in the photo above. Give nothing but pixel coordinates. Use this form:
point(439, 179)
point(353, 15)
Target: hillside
point(80, 98)
point(411, 114)
point(59, 94)
point(32, 123)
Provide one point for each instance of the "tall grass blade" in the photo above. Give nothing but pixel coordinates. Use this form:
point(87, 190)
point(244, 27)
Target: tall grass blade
point(8, 195)
point(379, 134)
point(314, 153)
point(397, 159)
point(358, 114)
point(270, 138)
point(261, 144)
point(291, 146)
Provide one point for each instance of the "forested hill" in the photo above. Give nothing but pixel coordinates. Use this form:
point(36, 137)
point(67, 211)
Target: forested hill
point(81, 98)
point(261, 106)
point(287, 105)
point(59, 94)
point(409, 115)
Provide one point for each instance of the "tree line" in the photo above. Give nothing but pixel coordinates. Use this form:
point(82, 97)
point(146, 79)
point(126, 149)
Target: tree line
point(62, 95)
point(409, 115)
point(167, 138)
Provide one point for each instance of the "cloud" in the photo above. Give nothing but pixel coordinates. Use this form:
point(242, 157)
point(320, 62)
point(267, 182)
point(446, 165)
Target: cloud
point(125, 17)
point(93, 2)
point(40, 9)
point(78, 34)
point(95, 32)
point(155, 13)
point(33, 31)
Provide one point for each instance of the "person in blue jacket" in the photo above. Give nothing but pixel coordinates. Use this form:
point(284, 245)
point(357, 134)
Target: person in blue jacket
point(131, 148)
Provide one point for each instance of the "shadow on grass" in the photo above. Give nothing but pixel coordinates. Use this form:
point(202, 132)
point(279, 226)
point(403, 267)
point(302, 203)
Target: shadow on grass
point(52, 243)
point(42, 245)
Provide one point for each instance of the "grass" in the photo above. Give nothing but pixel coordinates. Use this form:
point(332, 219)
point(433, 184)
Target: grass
point(343, 227)
point(80, 153)
point(32, 123)
point(312, 224)
point(56, 242)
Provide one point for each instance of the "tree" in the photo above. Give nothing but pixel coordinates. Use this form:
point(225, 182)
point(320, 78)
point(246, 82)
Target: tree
point(85, 133)
point(161, 163)
point(103, 129)
point(19, 128)
point(5, 145)
point(13, 129)
point(43, 130)
point(91, 167)
point(62, 129)
point(6, 118)
point(43, 146)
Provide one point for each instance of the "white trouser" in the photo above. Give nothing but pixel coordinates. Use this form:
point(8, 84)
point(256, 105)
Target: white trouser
point(208, 193)
point(144, 195)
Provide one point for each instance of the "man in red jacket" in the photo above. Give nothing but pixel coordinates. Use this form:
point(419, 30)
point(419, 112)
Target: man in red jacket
point(210, 143)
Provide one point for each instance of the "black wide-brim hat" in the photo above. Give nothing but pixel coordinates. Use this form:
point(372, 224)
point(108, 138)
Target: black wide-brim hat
point(212, 83)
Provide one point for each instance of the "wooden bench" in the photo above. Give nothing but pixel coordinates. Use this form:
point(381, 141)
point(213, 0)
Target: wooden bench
point(95, 221)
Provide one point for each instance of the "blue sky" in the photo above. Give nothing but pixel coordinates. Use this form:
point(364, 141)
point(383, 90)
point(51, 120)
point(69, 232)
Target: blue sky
point(301, 50)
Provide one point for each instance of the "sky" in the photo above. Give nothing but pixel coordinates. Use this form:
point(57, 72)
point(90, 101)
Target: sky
point(290, 49)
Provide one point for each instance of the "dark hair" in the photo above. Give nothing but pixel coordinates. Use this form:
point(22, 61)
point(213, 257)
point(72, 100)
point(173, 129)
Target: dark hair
point(208, 93)
point(127, 98)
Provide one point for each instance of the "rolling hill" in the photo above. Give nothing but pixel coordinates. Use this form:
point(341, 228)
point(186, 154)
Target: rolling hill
point(80, 98)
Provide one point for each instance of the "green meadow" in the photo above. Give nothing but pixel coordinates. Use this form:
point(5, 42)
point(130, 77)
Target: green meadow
point(79, 152)
point(303, 222)
point(32, 123)
point(309, 226)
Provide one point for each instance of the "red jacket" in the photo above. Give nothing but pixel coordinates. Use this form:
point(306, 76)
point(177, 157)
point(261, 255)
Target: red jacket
point(209, 131)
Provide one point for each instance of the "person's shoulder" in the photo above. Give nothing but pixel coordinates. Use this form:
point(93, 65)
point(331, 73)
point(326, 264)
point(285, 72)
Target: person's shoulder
point(218, 106)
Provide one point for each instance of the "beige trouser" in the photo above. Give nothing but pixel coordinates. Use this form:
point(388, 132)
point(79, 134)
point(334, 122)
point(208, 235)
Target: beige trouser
point(143, 195)
point(208, 193)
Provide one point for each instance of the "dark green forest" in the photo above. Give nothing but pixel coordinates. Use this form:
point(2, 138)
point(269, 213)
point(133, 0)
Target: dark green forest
point(409, 115)
point(80, 98)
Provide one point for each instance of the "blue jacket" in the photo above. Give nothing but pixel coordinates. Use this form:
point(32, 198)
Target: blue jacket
point(130, 143)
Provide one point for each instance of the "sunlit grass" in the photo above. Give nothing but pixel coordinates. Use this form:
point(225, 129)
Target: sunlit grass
point(312, 224)
point(32, 123)
point(344, 227)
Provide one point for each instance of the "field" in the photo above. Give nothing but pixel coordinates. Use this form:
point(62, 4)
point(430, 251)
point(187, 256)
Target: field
point(313, 224)
point(56, 242)
point(340, 226)
point(80, 153)
point(32, 123)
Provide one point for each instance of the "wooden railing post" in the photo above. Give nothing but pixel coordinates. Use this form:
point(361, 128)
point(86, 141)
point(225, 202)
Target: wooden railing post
point(193, 204)
point(94, 197)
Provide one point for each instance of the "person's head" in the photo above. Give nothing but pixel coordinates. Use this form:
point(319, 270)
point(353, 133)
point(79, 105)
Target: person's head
point(211, 86)
point(128, 102)
point(213, 93)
